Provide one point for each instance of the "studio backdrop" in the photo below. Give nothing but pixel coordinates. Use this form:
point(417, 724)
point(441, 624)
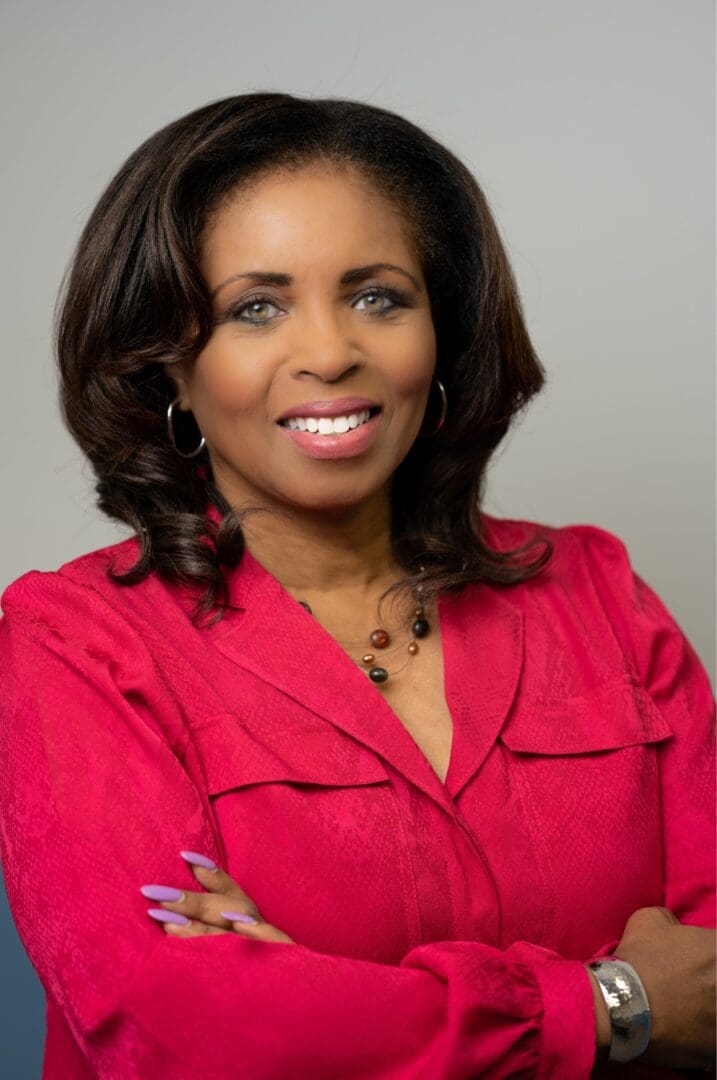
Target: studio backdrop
point(590, 128)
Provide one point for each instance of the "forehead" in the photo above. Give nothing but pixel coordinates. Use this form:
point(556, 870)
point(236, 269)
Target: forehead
point(316, 213)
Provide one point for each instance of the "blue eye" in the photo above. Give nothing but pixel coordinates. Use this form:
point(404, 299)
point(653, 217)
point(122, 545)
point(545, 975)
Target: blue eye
point(395, 298)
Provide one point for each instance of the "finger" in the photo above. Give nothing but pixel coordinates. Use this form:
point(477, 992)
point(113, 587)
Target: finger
point(261, 931)
point(213, 920)
point(219, 882)
point(173, 922)
point(192, 929)
point(202, 906)
point(180, 901)
point(212, 877)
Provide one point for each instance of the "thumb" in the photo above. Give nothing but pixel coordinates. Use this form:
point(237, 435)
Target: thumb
point(669, 915)
point(644, 918)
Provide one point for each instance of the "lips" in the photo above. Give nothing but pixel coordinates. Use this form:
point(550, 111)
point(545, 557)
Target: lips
point(337, 445)
point(328, 425)
point(345, 406)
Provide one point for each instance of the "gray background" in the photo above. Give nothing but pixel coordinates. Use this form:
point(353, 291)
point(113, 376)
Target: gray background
point(591, 129)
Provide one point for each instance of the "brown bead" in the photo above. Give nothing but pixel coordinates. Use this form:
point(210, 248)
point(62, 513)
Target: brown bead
point(368, 659)
point(413, 648)
point(380, 639)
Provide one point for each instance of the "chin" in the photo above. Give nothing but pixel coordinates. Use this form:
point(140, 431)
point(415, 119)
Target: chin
point(332, 501)
point(328, 506)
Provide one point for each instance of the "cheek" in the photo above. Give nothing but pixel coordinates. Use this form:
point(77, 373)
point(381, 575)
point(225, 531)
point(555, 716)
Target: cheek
point(415, 363)
point(224, 381)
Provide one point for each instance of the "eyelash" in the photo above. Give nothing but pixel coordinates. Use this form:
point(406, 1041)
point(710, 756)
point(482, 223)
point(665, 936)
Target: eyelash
point(395, 297)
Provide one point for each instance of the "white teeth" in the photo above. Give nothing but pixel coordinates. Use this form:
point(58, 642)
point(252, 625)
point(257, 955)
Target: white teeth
point(327, 425)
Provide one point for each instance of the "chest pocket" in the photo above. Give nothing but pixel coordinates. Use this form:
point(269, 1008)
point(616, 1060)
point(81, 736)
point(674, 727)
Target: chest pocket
point(299, 752)
point(619, 715)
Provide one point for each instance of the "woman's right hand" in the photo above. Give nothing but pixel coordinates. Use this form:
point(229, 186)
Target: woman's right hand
point(676, 965)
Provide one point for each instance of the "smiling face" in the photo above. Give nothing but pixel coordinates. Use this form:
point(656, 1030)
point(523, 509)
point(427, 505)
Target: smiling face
point(323, 339)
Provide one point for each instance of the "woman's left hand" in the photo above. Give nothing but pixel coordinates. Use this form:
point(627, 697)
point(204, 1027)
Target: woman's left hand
point(212, 911)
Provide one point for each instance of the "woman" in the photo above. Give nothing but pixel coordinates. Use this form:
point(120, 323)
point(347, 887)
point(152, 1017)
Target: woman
point(417, 766)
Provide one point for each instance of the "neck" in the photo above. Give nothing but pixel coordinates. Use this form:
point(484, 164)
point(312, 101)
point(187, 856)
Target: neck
point(326, 552)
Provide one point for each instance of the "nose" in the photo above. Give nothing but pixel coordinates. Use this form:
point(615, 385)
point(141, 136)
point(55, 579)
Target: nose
point(331, 371)
point(326, 350)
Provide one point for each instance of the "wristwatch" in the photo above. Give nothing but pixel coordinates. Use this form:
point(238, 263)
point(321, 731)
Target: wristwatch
point(630, 1017)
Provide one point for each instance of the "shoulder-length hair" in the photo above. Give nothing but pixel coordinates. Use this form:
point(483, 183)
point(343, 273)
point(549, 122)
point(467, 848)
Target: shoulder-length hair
point(133, 299)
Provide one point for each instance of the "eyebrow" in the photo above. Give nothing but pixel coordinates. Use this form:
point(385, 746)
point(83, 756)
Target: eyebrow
point(271, 277)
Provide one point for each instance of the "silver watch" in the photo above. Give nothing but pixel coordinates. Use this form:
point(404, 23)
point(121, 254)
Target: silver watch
point(630, 1017)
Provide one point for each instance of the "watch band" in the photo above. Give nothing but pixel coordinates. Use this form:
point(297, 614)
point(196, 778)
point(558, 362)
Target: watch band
point(630, 1017)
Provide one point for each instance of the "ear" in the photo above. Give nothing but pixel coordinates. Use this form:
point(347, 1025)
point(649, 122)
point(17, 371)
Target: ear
point(174, 372)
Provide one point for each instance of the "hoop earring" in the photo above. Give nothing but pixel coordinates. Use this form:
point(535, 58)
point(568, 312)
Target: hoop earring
point(170, 431)
point(444, 409)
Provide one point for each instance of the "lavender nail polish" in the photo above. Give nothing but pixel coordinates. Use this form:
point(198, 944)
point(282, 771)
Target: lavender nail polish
point(236, 916)
point(167, 916)
point(198, 860)
point(162, 892)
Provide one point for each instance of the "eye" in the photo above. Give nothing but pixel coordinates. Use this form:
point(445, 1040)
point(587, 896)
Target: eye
point(395, 298)
point(382, 293)
point(253, 302)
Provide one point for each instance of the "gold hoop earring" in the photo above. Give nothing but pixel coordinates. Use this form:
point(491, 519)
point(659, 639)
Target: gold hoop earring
point(170, 431)
point(444, 409)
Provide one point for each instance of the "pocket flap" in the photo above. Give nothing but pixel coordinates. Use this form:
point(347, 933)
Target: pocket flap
point(619, 715)
point(231, 756)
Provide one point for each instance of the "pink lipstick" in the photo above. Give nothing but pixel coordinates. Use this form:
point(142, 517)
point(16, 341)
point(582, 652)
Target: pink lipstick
point(329, 407)
point(343, 435)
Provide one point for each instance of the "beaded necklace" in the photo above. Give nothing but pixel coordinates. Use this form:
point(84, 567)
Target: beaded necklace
point(381, 639)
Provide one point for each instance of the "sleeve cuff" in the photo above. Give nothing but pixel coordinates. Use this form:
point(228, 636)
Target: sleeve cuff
point(568, 1041)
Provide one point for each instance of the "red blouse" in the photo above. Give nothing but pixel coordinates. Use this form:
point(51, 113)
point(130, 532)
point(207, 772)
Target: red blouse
point(440, 929)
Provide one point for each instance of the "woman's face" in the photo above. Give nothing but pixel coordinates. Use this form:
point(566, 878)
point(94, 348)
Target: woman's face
point(332, 341)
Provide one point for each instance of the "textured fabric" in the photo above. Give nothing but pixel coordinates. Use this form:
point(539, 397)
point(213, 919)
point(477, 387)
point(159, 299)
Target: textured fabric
point(441, 929)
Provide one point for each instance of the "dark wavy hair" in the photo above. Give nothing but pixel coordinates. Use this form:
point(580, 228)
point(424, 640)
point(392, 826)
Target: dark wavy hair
point(133, 299)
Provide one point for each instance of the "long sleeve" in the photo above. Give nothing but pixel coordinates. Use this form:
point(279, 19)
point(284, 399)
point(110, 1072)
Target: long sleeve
point(664, 662)
point(95, 801)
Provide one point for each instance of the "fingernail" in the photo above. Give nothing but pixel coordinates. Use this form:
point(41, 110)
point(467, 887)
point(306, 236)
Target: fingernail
point(162, 892)
point(236, 916)
point(167, 916)
point(198, 860)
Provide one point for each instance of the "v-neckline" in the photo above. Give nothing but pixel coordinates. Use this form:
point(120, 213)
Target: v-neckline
point(276, 639)
point(376, 692)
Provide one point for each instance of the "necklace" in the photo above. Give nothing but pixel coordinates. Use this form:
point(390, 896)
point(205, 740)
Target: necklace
point(381, 639)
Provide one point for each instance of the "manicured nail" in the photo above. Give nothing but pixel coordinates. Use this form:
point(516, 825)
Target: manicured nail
point(236, 916)
point(198, 860)
point(162, 892)
point(167, 916)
